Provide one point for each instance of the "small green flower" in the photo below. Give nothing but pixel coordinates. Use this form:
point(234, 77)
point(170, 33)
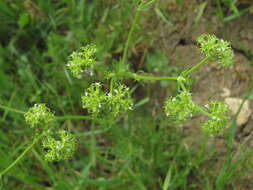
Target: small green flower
point(114, 103)
point(218, 121)
point(39, 115)
point(61, 149)
point(119, 100)
point(181, 107)
point(82, 61)
point(216, 49)
point(94, 99)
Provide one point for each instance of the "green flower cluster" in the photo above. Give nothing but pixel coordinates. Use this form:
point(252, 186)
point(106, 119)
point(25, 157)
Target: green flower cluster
point(94, 98)
point(114, 103)
point(39, 115)
point(216, 49)
point(119, 100)
point(56, 150)
point(181, 107)
point(218, 120)
point(61, 149)
point(82, 61)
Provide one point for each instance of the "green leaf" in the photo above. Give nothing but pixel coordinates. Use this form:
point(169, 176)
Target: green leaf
point(23, 20)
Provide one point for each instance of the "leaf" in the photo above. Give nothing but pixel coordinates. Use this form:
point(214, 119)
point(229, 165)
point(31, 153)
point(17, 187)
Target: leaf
point(23, 20)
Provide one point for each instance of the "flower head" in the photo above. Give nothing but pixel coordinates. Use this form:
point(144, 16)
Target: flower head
point(82, 61)
point(114, 103)
point(39, 115)
point(216, 49)
point(94, 99)
point(181, 107)
point(59, 149)
point(119, 100)
point(218, 120)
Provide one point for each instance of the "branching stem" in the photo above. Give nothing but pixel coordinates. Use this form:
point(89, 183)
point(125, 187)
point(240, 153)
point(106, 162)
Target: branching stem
point(202, 62)
point(205, 112)
point(157, 78)
point(142, 77)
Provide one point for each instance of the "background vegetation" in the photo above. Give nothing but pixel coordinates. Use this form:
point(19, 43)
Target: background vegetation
point(143, 150)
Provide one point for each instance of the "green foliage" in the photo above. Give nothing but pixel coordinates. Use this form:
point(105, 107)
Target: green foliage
point(218, 121)
point(229, 10)
point(82, 61)
point(216, 49)
point(180, 108)
point(61, 149)
point(39, 116)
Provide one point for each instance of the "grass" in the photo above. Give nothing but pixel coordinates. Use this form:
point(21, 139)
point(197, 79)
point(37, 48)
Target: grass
point(232, 9)
point(140, 152)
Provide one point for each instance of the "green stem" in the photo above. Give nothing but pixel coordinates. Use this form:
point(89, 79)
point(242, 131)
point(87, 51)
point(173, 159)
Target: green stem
point(202, 62)
point(11, 109)
point(65, 117)
point(141, 77)
point(94, 132)
point(21, 155)
point(130, 34)
point(111, 85)
point(93, 147)
point(182, 86)
point(81, 117)
point(205, 112)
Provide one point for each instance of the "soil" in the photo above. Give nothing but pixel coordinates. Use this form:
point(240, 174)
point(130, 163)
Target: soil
point(177, 37)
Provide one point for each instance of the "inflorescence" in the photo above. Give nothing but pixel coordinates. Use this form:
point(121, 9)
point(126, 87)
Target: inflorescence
point(216, 49)
point(39, 115)
point(218, 121)
point(59, 149)
point(181, 107)
point(113, 103)
point(118, 100)
point(82, 61)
